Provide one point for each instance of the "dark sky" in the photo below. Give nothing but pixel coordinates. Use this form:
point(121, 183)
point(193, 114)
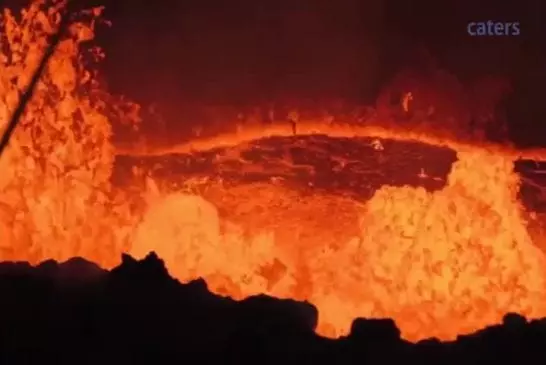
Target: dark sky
point(251, 51)
point(244, 48)
point(248, 51)
point(241, 49)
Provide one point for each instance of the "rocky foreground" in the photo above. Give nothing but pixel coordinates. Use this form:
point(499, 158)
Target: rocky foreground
point(77, 313)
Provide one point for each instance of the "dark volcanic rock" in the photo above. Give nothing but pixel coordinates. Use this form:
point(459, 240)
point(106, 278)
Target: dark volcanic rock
point(138, 314)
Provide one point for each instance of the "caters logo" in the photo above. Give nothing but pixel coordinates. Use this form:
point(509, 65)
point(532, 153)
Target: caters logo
point(491, 28)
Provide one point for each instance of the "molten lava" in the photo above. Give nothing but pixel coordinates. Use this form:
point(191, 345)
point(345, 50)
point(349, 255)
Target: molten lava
point(441, 260)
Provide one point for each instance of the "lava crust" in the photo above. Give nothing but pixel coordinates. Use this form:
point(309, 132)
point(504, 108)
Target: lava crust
point(354, 167)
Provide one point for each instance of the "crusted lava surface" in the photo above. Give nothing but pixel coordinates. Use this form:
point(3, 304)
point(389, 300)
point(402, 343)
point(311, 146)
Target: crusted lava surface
point(136, 314)
point(352, 167)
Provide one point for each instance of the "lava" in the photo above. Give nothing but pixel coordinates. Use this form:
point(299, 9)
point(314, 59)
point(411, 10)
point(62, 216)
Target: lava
point(441, 260)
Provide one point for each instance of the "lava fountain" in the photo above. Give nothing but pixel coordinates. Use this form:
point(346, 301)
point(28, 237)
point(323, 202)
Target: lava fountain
point(441, 261)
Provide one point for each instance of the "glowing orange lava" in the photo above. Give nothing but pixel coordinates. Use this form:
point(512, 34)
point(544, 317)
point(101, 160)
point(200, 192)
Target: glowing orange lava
point(440, 263)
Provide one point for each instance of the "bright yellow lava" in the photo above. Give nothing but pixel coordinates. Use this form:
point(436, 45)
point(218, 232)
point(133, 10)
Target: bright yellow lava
point(440, 264)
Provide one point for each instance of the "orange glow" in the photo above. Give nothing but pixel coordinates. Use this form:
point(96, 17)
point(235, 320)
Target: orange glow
point(440, 263)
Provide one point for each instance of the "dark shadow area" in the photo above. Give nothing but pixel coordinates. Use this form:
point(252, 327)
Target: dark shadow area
point(75, 312)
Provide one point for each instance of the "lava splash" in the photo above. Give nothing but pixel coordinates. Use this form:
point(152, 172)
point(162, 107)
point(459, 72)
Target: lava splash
point(395, 243)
